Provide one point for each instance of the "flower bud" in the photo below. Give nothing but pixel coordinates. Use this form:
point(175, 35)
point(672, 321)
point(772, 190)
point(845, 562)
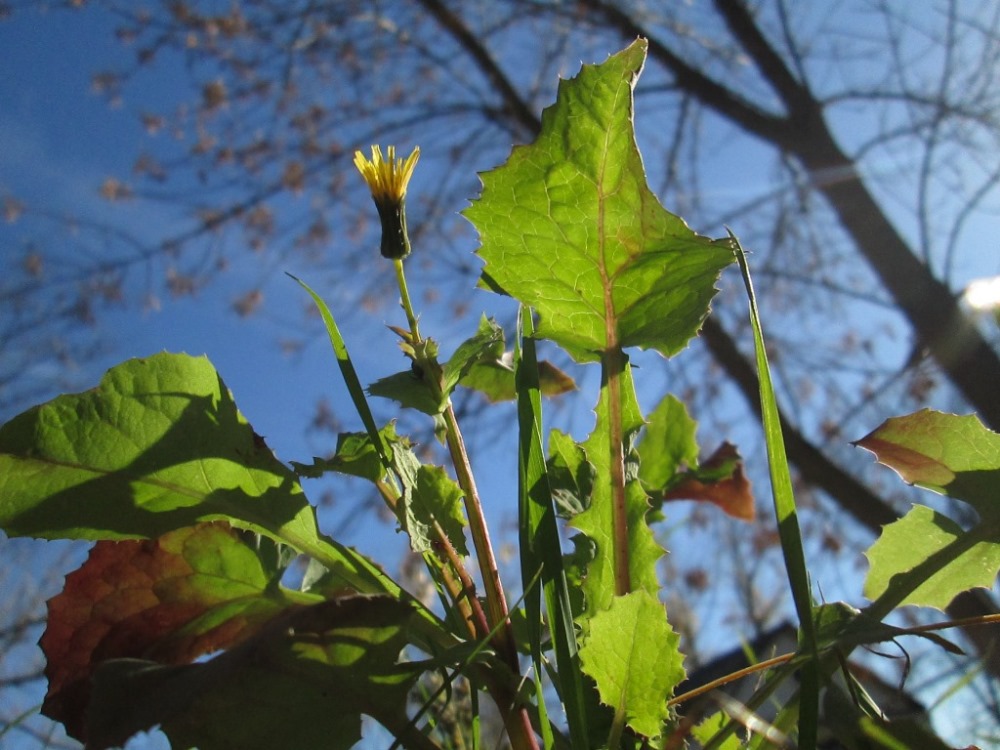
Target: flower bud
point(387, 179)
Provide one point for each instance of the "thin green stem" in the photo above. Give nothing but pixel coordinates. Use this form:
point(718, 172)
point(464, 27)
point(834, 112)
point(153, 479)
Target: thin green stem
point(404, 294)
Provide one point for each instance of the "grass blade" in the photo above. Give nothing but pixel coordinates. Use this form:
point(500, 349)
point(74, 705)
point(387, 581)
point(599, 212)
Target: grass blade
point(788, 524)
point(350, 375)
point(540, 543)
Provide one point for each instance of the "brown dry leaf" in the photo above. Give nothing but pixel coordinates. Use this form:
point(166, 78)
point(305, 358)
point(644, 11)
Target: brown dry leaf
point(734, 494)
point(213, 95)
point(115, 190)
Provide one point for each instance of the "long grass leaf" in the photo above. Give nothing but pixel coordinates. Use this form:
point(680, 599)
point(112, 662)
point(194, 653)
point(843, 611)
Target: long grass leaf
point(350, 375)
point(788, 524)
point(540, 543)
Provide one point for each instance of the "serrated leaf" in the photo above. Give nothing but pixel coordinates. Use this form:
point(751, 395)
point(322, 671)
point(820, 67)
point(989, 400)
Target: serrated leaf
point(949, 454)
point(171, 599)
point(964, 560)
point(569, 227)
point(597, 520)
point(303, 682)
point(632, 654)
point(429, 497)
point(495, 379)
point(413, 388)
point(486, 345)
point(158, 445)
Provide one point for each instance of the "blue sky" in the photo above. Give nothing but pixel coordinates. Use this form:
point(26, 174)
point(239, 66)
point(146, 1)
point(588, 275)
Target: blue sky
point(58, 142)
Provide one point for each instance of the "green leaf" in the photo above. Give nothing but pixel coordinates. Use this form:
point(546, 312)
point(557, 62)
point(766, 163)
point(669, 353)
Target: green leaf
point(632, 654)
point(787, 517)
point(569, 227)
point(157, 446)
point(925, 558)
point(541, 553)
point(712, 726)
point(409, 389)
point(670, 470)
point(570, 474)
point(172, 599)
point(428, 497)
point(302, 682)
point(667, 444)
point(479, 363)
point(486, 345)
point(346, 366)
point(596, 521)
point(434, 499)
point(951, 560)
point(495, 379)
point(949, 454)
point(356, 456)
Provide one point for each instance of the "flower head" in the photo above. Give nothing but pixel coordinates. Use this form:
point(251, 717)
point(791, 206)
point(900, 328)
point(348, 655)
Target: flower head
point(387, 178)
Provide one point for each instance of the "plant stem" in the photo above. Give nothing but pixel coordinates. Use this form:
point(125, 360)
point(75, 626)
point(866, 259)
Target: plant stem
point(496, 602)
point(731, 677)
point(613, 363)
point(404, 294)
point(515, 717)
point(455, 578)
point(462, 590)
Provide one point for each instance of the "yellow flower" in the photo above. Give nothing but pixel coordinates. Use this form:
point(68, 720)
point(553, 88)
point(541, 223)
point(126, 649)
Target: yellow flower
point(387, 178)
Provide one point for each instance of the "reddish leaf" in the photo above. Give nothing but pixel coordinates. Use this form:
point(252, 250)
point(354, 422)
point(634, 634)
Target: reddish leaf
point(953, 455)
point(302, 681)
point(732, 491)
point(912, 466)
point(171, 599)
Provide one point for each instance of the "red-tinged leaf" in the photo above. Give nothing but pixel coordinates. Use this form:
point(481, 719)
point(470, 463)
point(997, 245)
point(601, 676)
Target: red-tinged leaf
point(170, 600)
point(670, 470)
point(950, 454)
point(731, 491)
point(570, 227)
point(302, 681)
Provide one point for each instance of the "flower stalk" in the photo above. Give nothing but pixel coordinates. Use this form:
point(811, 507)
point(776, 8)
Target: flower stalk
point(387, 178)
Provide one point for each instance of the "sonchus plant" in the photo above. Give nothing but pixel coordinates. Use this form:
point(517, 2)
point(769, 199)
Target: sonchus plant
point(195, 520)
